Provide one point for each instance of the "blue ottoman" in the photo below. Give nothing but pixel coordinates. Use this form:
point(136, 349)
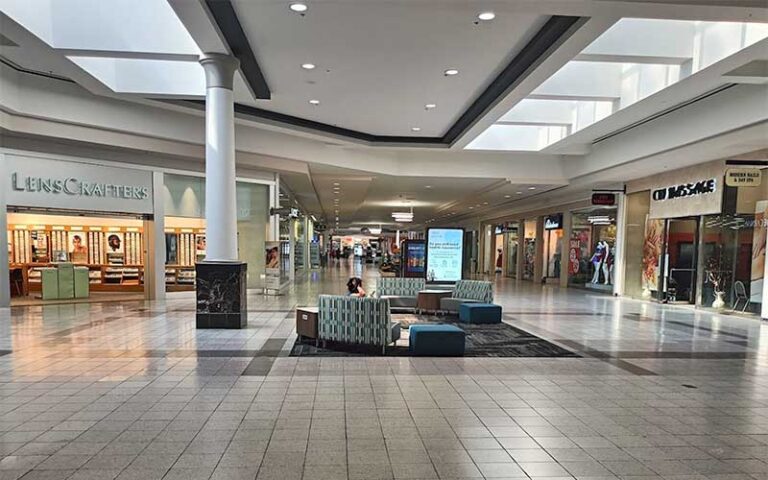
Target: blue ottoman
point(479, 313)
point(436, 340)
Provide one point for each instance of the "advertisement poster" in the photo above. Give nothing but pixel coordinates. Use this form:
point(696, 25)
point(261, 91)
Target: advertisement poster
point(78, 247)
point(574, 257)
point(171, 249)
point(415, 258)
point(652, 253)
point(115, 242)
point(758, 252)
point(272, 265)
point(200, 245)
point(444, 254)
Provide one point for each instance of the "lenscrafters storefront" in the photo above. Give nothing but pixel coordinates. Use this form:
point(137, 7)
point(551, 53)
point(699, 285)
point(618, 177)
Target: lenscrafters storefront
point(697, 236)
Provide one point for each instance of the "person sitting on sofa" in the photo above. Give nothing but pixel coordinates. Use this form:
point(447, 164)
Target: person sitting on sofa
point(355, 287)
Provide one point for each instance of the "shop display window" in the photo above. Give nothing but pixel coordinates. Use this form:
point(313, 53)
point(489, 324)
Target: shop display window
point(529, 249)
point(591, 248)
point(111, 248)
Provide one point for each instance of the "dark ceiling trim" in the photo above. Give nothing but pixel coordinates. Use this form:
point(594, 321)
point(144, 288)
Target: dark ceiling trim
point(548, 35)
point(225, 17)
point(551, 34)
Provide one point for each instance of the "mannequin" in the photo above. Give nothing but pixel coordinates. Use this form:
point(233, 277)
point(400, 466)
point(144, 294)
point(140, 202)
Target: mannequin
point(607, 265)
point(499, 260)
point(598, 259)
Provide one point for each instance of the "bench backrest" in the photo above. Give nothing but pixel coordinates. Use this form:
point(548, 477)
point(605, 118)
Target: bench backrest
point(479, 290)
point(354, 320)
point(401, 287)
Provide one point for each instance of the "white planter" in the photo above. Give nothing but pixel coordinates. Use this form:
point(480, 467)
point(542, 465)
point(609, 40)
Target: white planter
point(719, 302)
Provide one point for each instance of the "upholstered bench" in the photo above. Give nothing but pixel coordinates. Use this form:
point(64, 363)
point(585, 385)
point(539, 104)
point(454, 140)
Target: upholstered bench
point(479, 313)
point(436, 340)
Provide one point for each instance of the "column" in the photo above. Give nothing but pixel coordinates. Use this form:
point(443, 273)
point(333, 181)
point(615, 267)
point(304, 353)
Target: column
point(154, 235)
point(565, 248)
point(220, 197)
point(5, 282)
point(619, 255)
point(274, 202)
point(538, 266)
point(520, 267)
point(221, 279)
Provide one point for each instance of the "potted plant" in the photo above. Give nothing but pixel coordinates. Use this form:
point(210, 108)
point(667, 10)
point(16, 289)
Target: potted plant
point(717, 275)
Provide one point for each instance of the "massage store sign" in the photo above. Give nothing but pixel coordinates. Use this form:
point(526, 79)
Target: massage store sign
point(692, 198)
point(44, 183)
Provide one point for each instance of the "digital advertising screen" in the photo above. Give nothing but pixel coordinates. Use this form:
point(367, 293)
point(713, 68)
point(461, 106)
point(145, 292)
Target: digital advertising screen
point(414, 258)
point(445, 254)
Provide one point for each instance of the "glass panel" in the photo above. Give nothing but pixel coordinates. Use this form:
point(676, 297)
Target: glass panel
point(529, 249)
point(637, 210)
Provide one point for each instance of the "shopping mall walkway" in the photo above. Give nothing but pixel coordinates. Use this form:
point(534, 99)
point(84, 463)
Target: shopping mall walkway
point(133, 391)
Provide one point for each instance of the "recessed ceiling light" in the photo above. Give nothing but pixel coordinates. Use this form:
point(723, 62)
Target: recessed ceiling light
point(427, 186)
point(451, 72)
point(298, 7)
point(507, 196)
point(415, 129)
point(531, 188)
point(471, 208)
point(485, 16)
point(314, 102)
point(485, 203)
point(308, 66)
point(430, 106)
point(519, 193)
point(336, 184)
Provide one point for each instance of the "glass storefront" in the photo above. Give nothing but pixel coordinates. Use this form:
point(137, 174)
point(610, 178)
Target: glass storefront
point(513, 242)
point(553, 245)
point(710, 260)
point(591, 248)
point(529, 249)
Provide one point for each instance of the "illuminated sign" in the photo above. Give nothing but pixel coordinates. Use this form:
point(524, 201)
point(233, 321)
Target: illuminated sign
point(604, 199)
point(553, 222)
point(743, 177)
point(445, 254)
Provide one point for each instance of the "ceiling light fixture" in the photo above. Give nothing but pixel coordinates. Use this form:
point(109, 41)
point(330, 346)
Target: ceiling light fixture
point(308, 66)
point(430, 106)
point(415, 129)
point(531, 188)
point(486, 16)
point(298, 7)
point(336, 184)
point(427, 186)
point(314, 102)
point(519, 193)
point(507, 196)
point(451, 72)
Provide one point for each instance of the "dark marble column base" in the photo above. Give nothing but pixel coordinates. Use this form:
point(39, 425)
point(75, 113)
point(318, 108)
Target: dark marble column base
point(221, 295)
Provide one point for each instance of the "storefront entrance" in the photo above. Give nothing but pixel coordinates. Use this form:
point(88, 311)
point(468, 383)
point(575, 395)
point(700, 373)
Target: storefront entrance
point(679, 257)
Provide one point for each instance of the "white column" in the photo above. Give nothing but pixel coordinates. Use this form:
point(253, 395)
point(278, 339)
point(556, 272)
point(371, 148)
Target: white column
point(619, 255)
point(764, 305)
point(220, 197)
point(5, 283)
point(274, 202)
point(154, 233)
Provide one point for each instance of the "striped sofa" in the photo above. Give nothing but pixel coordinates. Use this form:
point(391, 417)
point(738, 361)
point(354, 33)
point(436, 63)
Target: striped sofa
point(357, 320)
point(467, 291)
point(401, 292)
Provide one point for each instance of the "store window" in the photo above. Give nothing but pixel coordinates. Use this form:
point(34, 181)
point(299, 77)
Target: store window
point(733, 252)
point(553, 245)
point(529, 249)
point(513, 242)
point(591, 248)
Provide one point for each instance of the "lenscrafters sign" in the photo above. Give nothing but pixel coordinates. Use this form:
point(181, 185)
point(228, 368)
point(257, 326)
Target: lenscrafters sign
point(696, 197)
point(44, 183)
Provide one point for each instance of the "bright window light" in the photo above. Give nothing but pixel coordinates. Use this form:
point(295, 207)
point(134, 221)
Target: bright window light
point(149, 26)
point(632, 60)
point(158, 77)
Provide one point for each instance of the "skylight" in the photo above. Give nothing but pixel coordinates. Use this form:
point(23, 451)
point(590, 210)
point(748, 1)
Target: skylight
point(148, 26)
point(150, 77)
point(629, 62)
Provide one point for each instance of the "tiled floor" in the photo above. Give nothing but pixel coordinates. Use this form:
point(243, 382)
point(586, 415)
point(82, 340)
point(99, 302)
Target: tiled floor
point(133, 391)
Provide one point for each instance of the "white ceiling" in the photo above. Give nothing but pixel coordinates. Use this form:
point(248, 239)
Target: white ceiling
point(379, 63)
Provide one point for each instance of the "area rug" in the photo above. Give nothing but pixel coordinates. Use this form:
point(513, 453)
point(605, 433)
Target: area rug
point(498, 340)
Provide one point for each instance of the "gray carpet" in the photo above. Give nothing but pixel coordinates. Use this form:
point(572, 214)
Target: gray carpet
point(497, 340)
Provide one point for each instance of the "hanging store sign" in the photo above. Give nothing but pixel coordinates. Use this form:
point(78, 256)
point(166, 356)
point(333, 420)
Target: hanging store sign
point(553, 222)
point(604, 199)
point(692, 198)
point(743, 177)
point(685, 190)
point(47, 183)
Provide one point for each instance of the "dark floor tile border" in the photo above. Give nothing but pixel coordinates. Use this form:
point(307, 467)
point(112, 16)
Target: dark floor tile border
point(607, 358)
point(259, 367)
point(559, 314)
point(684, 326)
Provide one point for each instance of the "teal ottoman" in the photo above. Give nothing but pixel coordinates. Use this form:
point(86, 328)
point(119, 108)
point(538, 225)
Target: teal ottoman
point(479, 313)
point(436, 340)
